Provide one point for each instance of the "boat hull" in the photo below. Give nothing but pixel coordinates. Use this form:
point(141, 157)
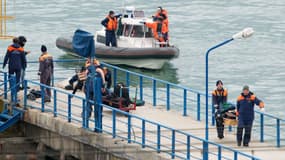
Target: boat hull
point(150, 58)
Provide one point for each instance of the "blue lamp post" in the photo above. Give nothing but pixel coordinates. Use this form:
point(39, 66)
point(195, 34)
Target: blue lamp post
point(247, 32)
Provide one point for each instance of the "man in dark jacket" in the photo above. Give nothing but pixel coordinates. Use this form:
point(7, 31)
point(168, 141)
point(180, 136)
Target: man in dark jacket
point(219, 97)
point(46, 71)
point(16, 60)
point(245, 111)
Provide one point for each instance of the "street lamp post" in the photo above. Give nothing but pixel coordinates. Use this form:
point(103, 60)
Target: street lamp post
point(245, 33)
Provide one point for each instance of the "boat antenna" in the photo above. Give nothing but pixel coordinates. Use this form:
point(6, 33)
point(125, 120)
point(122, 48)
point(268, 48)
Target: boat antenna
point(123, 6)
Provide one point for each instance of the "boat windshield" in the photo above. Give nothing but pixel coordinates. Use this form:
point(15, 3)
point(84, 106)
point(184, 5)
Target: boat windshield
point(137, 31)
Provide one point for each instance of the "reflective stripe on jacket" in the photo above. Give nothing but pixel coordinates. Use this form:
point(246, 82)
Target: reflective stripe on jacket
point(245, 106)
point(15, 57)
point(219, 96)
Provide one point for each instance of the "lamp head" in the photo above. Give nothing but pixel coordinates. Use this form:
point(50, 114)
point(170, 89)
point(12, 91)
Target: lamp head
point(245, 33)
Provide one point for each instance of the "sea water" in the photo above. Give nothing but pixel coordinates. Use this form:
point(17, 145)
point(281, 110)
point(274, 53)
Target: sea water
point(195, 26)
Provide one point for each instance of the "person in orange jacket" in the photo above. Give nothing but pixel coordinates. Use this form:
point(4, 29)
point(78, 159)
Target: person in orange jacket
point(46, 71)
point(16, 59)
point(161, 12)
point(245, 112)
point(158, 29)
point(111, 24)
point(219, 97)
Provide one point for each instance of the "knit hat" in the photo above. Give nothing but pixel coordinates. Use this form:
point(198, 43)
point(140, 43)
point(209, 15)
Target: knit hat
point(43, 48)
point(246, 87)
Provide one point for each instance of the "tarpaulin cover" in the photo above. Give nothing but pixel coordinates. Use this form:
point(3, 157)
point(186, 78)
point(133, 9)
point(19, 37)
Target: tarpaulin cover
point(83, 43)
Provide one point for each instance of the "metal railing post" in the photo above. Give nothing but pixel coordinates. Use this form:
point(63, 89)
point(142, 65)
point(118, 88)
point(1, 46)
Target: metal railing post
point(141, 88)
point(154, 92)
point(83, 113)
point(278, 132)
point(25, 94)
point(129, 128)
point(173, 145)
point(5, 85)
point(219, 153)
point(198, 106)
point(188, 147)
point(158, 139)
point(184, 102)
point(143, 133)
point(205, 150)
point(235, 155)
point(54, 103)
point(98, 104)
point(114, 123)
point(168, 96)
point(69, 108)
point(43, 98)
point(14, 88)
point(261, 127)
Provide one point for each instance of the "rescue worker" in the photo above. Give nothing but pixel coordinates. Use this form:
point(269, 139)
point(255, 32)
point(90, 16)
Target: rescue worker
point(160, 11)
point(22, 42)
point(46, 71)
point(111, 24)
point(80, 77)
point(245, 112)
point(88, 89)
point(219, 97)
point(16, 60)
point(158, 30)
point(164, 14)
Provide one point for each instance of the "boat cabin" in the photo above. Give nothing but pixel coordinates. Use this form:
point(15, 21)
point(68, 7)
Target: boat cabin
point(131, 31)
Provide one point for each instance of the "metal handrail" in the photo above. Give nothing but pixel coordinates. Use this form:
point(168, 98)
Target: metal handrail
point(174, 142)
point(190, 100)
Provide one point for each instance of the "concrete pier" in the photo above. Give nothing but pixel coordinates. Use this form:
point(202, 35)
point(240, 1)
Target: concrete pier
point(72, 139)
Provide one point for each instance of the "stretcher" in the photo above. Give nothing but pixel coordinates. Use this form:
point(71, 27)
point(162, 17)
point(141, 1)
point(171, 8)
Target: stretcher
point(121, 100)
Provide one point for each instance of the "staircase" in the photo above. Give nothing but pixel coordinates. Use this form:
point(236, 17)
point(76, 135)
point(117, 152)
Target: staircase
point(8, 119)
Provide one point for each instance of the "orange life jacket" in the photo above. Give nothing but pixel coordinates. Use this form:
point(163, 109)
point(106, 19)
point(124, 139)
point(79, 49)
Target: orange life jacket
point(112, 24)
point(157, 28)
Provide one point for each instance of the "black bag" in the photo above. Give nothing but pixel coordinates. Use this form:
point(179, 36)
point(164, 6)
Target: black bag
point(120, 90)
point(34, 94)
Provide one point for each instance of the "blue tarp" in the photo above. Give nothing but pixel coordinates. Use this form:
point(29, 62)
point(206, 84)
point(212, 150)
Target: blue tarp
point(83, 43)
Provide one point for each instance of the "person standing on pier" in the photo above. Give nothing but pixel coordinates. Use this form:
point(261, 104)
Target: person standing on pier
point(16, 60)
point(46, 71)
point(219, 98)
point(22, 42)
point(245, 112)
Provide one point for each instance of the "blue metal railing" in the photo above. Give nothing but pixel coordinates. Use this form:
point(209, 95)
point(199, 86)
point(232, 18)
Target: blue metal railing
point(183, 99)
point(189, 101)
point(168, 141)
